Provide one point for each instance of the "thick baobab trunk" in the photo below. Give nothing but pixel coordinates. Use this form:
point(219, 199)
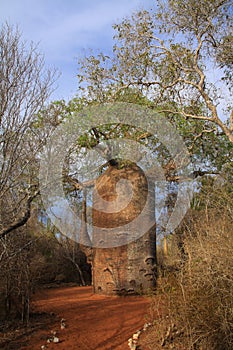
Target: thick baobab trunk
point(123, 231)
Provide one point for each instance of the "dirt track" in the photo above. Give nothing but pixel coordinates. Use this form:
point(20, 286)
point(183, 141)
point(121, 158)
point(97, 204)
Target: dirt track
point(93, 322)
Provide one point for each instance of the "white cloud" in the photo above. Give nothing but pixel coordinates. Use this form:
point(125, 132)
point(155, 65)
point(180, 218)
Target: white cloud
point(64, 28)
point(54, 21)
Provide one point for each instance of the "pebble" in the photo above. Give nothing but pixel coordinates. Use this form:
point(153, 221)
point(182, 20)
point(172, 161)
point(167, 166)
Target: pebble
point(63, 324)
point(136, 335)
point(132, 342)
point(56, 340)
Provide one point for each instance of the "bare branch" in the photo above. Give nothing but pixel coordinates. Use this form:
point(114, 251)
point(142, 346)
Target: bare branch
point(22, 220)
point(231, 121)
point(80, 185)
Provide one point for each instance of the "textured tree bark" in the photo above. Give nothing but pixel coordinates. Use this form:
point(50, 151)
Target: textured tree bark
point(124, 231)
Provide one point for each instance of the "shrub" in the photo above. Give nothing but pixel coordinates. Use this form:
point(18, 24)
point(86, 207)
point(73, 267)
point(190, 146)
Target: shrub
point(198, 291)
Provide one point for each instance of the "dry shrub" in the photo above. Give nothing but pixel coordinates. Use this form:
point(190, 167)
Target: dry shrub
point(199, 294)
point(204, 298)
point(16, 280)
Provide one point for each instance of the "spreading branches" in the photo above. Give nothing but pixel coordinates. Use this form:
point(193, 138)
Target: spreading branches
point(168, 56)
point(25, 86)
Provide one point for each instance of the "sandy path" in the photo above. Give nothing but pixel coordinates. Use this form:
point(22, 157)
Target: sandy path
point(93, 322)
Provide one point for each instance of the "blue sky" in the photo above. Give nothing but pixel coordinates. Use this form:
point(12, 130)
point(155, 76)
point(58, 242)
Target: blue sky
point(64, 29)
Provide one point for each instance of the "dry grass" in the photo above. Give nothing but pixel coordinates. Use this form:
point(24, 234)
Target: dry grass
point(197, 288)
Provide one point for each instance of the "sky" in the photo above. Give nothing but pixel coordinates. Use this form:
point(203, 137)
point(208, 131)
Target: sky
point(66, 29)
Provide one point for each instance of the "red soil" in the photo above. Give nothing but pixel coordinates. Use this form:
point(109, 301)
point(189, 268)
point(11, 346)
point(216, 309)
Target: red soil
point(93, 322)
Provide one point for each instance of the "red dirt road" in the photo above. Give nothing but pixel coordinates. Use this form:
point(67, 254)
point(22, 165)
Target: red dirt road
point(93, 322)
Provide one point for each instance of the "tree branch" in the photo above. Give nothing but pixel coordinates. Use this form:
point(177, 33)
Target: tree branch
point(80, 185)
point(19, 222)
point(231, 121)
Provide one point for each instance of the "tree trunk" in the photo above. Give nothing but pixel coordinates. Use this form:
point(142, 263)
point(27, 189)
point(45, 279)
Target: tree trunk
point(123, 231)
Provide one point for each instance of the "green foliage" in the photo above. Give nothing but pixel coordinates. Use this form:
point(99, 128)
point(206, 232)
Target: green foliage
point(166, 56)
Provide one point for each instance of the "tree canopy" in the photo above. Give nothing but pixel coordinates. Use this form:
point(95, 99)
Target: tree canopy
point(179, 56)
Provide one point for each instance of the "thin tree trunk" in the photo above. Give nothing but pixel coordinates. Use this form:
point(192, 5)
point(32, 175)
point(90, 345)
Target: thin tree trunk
point(165, 247)
point(80, 273)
